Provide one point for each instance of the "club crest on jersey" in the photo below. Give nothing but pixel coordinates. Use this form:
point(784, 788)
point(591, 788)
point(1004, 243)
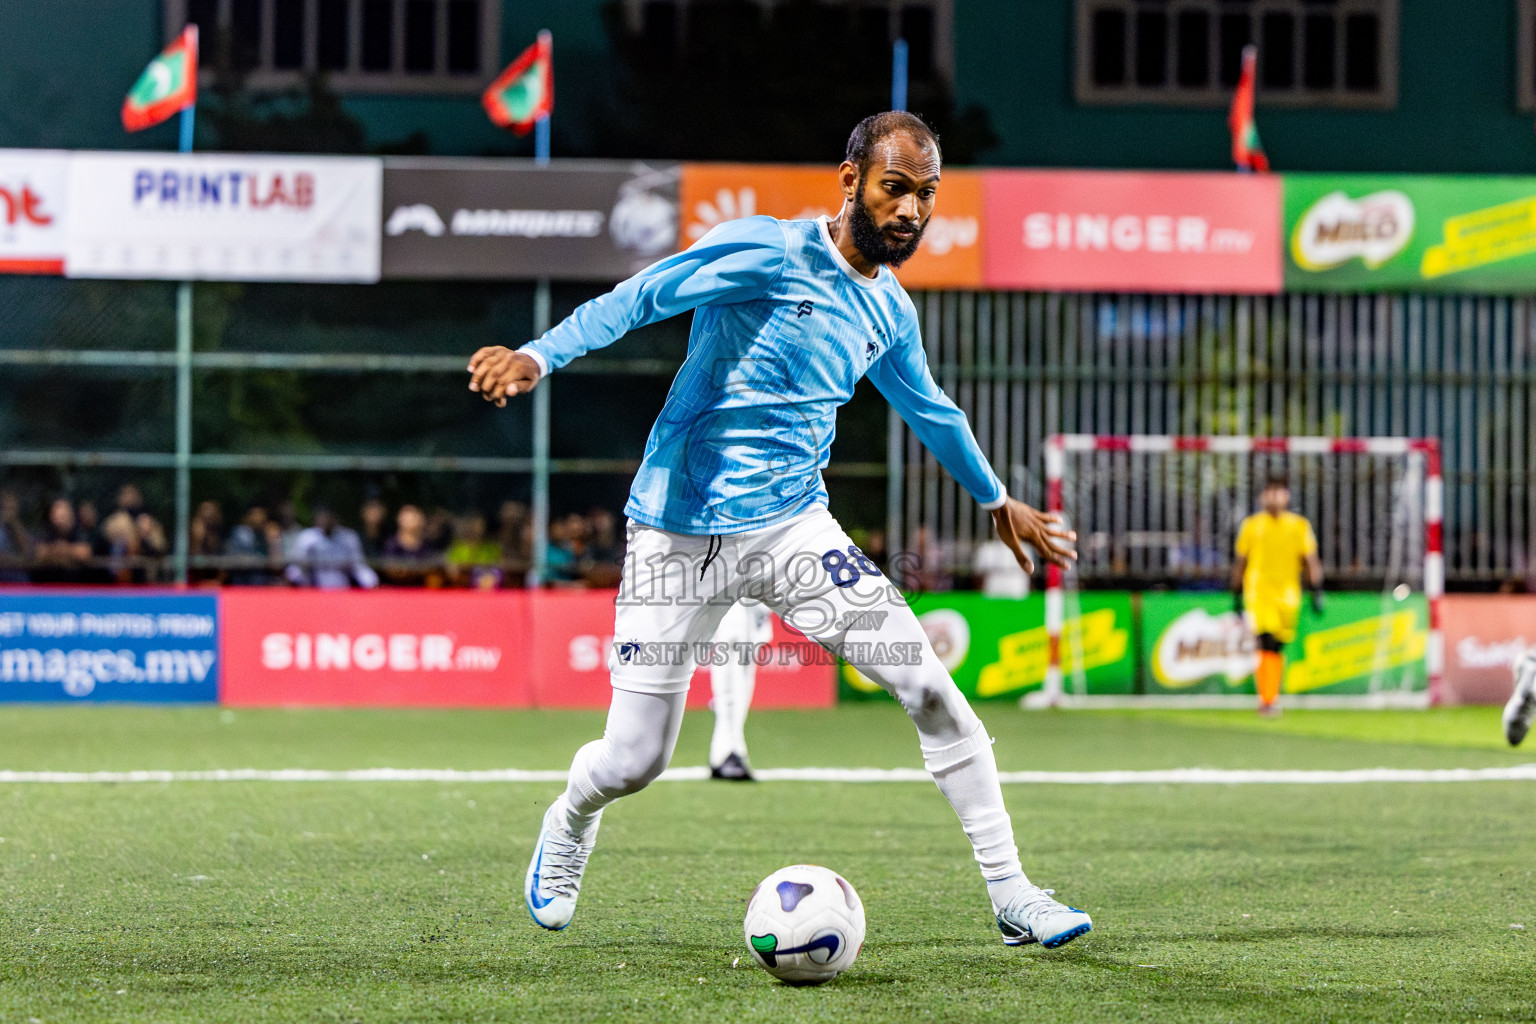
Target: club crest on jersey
point(628, 651)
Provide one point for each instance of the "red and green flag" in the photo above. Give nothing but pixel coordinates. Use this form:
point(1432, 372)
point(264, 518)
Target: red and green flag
point(167, 85)
point(1247, 151)
point(525, 91)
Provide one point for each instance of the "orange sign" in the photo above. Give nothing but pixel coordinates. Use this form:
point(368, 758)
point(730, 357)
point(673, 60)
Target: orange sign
point(949, 257)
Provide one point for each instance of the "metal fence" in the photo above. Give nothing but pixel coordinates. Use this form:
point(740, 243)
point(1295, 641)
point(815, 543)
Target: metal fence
point(1022, 365)
point(1025, 366)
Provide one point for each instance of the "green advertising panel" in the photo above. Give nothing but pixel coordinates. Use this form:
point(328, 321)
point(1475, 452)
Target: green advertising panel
point(1195, 643)
point(1374, 232)
point(996, 648)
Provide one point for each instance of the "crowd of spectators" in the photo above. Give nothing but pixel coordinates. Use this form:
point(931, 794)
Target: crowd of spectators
point(408, 545)
point(270, 545)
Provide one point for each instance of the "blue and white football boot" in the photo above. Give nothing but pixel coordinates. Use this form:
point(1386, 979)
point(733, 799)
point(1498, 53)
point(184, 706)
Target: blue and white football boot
point(1522, 703)
point(1032, 916)
point(554, 874)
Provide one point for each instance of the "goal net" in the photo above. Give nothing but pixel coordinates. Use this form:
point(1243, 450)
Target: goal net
point(1158, 515)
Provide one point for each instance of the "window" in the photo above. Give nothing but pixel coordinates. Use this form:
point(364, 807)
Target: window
point(926, 25)
point(1324, 53)
point(412, 46)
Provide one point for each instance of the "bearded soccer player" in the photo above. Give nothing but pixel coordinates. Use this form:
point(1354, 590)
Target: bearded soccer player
point(1273, 546)
point(729, 499)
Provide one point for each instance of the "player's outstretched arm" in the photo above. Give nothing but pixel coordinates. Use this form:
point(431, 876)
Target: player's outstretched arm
point(1018, 525)
point(735, 262)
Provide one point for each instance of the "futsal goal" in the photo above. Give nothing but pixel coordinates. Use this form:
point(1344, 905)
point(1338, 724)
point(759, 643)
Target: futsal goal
point(1157, 516)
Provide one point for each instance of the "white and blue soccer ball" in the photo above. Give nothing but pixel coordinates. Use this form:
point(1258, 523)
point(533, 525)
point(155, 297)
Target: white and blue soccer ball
point(805, 924)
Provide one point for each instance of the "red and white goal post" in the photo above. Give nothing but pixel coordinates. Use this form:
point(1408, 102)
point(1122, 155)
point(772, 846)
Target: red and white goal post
point(1412, 481)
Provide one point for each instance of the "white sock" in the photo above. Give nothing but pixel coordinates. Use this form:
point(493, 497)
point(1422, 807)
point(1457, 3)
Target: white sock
point(731, 689)
point(966, 773)
point(1002, 890)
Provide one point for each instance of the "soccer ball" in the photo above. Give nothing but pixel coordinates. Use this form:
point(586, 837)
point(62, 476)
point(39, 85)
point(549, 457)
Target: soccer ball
point(805, 924)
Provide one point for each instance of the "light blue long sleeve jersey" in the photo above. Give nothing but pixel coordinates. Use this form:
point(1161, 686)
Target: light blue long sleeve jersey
point(784, 330)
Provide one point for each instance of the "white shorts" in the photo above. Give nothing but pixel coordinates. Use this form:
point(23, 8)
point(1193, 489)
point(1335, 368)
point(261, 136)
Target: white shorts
point(676, 589)
point(745, 622)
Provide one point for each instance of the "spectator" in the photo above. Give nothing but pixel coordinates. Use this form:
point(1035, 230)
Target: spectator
point(288, 525)
point(248, 541)
point(206, 531)
point(512, 535)
point(152, 539)
point(474, 560)
point(272, 533)
point(64, 549)
point(562, 559)
point(925, 568)
point(416, 563)
point(440, 529)
point(603, 559)
point(329, 556)
point(1000, 572)
point(121, 537)
point(129, 500)
point(15, 541)
point(373, 516)
point(90, 527)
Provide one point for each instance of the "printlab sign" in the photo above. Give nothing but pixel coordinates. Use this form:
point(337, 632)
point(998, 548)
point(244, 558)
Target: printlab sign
point(109, 647)
point(224, 217)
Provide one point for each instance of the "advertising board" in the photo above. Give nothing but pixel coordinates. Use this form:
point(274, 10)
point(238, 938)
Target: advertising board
point(1367, 232)
point(507, 648)
point(997, 649)
point(396, 648)
point(1132, 231)
point(575, 220)
point(108, 646)
point(223, 217)
point(1484, 634)
point(1196, 643)
point(950, 254)
point(33, 183)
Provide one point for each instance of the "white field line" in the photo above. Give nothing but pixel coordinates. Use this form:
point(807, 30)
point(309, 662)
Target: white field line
point(1165, 776)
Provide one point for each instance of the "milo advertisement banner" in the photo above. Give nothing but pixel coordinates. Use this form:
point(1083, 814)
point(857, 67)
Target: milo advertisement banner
point(996, 648)
point(1364, 643)
point(1368, 232)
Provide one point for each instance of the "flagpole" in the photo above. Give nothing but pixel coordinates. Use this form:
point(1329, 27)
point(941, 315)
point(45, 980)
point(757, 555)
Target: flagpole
point(899, 75)
point(184, 393)
point(539, 555)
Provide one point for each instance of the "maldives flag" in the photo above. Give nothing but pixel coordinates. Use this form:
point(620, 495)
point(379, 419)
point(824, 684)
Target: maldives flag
point(1247, 151)
point(166, 86)
point(525, 91)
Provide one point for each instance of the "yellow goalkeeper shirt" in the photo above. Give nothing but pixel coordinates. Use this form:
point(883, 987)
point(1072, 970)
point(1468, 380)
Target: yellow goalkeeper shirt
point(1274, 547)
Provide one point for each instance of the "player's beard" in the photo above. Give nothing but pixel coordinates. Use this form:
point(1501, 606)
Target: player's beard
point(871, 241)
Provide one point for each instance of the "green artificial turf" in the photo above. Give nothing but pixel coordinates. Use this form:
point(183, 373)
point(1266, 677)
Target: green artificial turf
point(264, 901)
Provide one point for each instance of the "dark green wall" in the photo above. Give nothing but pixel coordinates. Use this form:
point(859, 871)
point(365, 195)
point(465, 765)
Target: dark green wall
point(1455, 111)
point(65, 65)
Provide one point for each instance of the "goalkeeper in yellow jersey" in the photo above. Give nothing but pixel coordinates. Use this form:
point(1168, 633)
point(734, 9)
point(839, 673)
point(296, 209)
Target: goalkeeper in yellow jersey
point(1273, 546)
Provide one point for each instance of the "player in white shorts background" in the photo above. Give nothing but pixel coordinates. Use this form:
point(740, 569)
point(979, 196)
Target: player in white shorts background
point(732, 679)
point(729, 501)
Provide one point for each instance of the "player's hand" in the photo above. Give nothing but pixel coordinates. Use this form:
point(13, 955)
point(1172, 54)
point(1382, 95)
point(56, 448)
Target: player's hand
point(1317, 602)
point(496, 372)
point(1018, 524)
